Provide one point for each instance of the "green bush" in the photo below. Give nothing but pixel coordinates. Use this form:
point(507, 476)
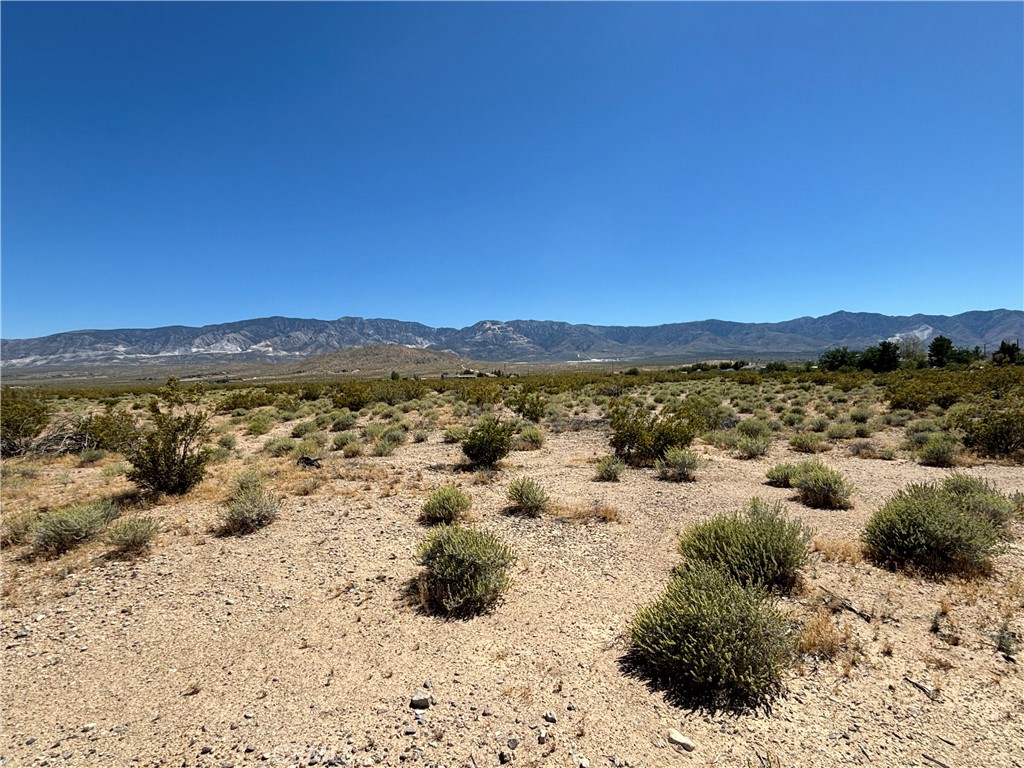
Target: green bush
point(467, 571)
point(608, 469)
point(979, 497)
point(757, 545)
point(710, 640)
point(841, 430)
point(132, 535)
point(111, 430)
point(678, 465)
point(250, 506)
point(171, 456)
point(91, 456)
point(279, 446)
point(304, 428)
point(752, 447)
point(23, 416)
point(447, 504)
point(527, 497)
point(992, 426)
point(346, 420)
point(18, 527)
point(939, 450)
point(227, 442)
point(754, 428)
point(68, 527)
point(822, 487)
point(924, 527)
point(530, 439)
point(528, 405)
point(456, 433)
point(641, 437)
point(488, 442)
point(259, 424)
point(808, 442)
point(344, 438)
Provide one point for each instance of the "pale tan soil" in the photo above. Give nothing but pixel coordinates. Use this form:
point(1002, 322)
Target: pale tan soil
point(301, 642)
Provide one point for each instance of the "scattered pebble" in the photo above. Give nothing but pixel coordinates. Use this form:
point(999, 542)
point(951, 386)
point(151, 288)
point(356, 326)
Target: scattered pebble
point(550, 717)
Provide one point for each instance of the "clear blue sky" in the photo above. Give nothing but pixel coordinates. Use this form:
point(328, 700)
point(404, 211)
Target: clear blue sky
point(193, 163)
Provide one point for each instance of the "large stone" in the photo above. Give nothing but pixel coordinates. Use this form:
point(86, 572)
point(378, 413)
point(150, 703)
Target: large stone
point(422, 699)
point(676, 738)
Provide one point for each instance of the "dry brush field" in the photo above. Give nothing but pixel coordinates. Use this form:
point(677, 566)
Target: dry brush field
point(306, 640)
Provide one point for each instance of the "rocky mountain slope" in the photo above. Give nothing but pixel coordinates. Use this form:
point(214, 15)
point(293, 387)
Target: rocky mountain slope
point(291, 339)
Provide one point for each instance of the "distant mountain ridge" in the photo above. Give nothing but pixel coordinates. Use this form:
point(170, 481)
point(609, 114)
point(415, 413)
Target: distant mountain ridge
point(283, 338)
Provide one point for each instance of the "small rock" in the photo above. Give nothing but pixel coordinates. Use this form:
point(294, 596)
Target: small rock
point(421, 699)
point(249, 749)
point(550, 717)
point(88, 727)
point(206, 750)
point(582, 762)
point(487, 712)
point(513, 743)
point(427, 684)
point(542, 737)
point(675, 737)
point(30, 741)
point(504, 757)
point(409, 732)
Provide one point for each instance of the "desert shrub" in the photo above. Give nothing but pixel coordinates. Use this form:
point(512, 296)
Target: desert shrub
point(939, 450)
point(793, 418)
point(352, 450)
point(132, 535)
point(345, 420)
point(528, 405)
point(396, 433)
point(898, 418)
point(754, 428)
point(420, 436)
point(259, 424)
point(752, 447)
point(342, 439)
point(924, 528)
point(91, 456)
point(529, 439)
point(784, 475)
point(64, 529)
point(919, 430)
point(279, 446)
point(818, 424)
point(304, 428)
point(23, 416)
point(709, 639)
point(488, 442)
point(641, 437)
point(18, 527)
point(455, 433)
point(446, 504)
point(822, 487)
point(112, 430)
point(757, 545)
point(171, 457)
point(467, 571)
point(976, 496)
point(384, 447)
point(608, 469)
point(678, 465)
point(808, 442)
point(227, 442)
point(527, 497)
point(841, 430)
point(992, 426)
point(250, 506)
point(860, 414)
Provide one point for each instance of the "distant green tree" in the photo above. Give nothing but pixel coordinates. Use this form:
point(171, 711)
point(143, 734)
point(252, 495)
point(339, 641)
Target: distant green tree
point(835, 359)
point(1007, 354)
point(939, 351)
point(882, 358)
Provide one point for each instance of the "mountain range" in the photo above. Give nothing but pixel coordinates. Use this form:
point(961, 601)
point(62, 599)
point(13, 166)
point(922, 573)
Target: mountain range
point(277, 339)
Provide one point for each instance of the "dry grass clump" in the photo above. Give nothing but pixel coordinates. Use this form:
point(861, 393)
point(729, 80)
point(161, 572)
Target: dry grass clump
point(609, 468)
point(17, 527)
point(821, 638)
point(582, 513)
point(131, 536)
point(838, 550)
point(678, 465)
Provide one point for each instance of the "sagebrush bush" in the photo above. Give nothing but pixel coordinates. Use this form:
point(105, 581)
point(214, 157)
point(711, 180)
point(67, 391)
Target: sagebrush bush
point(754, 428)
point(808, 442)
point(528, 405)
point(939, 450)
point(678, 465)
point(822, 487)
point(446, 504)
point(467, 571)
point(757, 545)
point(279, 446)
point(250, 506)
point(259, 424)
point(64, 529)
point(488, 442)
point(640, 437)
point(530, 439)
point(785, 475)
point(751, 447)
point(17, 527)
point(841, 430)
point(923, 527)
point(992, 425)
point(456, 433)
point(132, 535)
point(608, 470)
point(527, 497)
point(710, 640)
point(976, 496)
point(304, 428)
point(24, 414)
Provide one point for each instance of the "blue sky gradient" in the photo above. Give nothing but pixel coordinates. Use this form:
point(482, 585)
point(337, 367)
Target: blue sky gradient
point(627, 164)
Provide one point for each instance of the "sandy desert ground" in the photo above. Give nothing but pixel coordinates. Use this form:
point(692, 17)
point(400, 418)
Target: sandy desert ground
point(303, 643)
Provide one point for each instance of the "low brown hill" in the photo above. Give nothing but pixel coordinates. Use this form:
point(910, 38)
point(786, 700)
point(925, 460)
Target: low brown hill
point(381, 359)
